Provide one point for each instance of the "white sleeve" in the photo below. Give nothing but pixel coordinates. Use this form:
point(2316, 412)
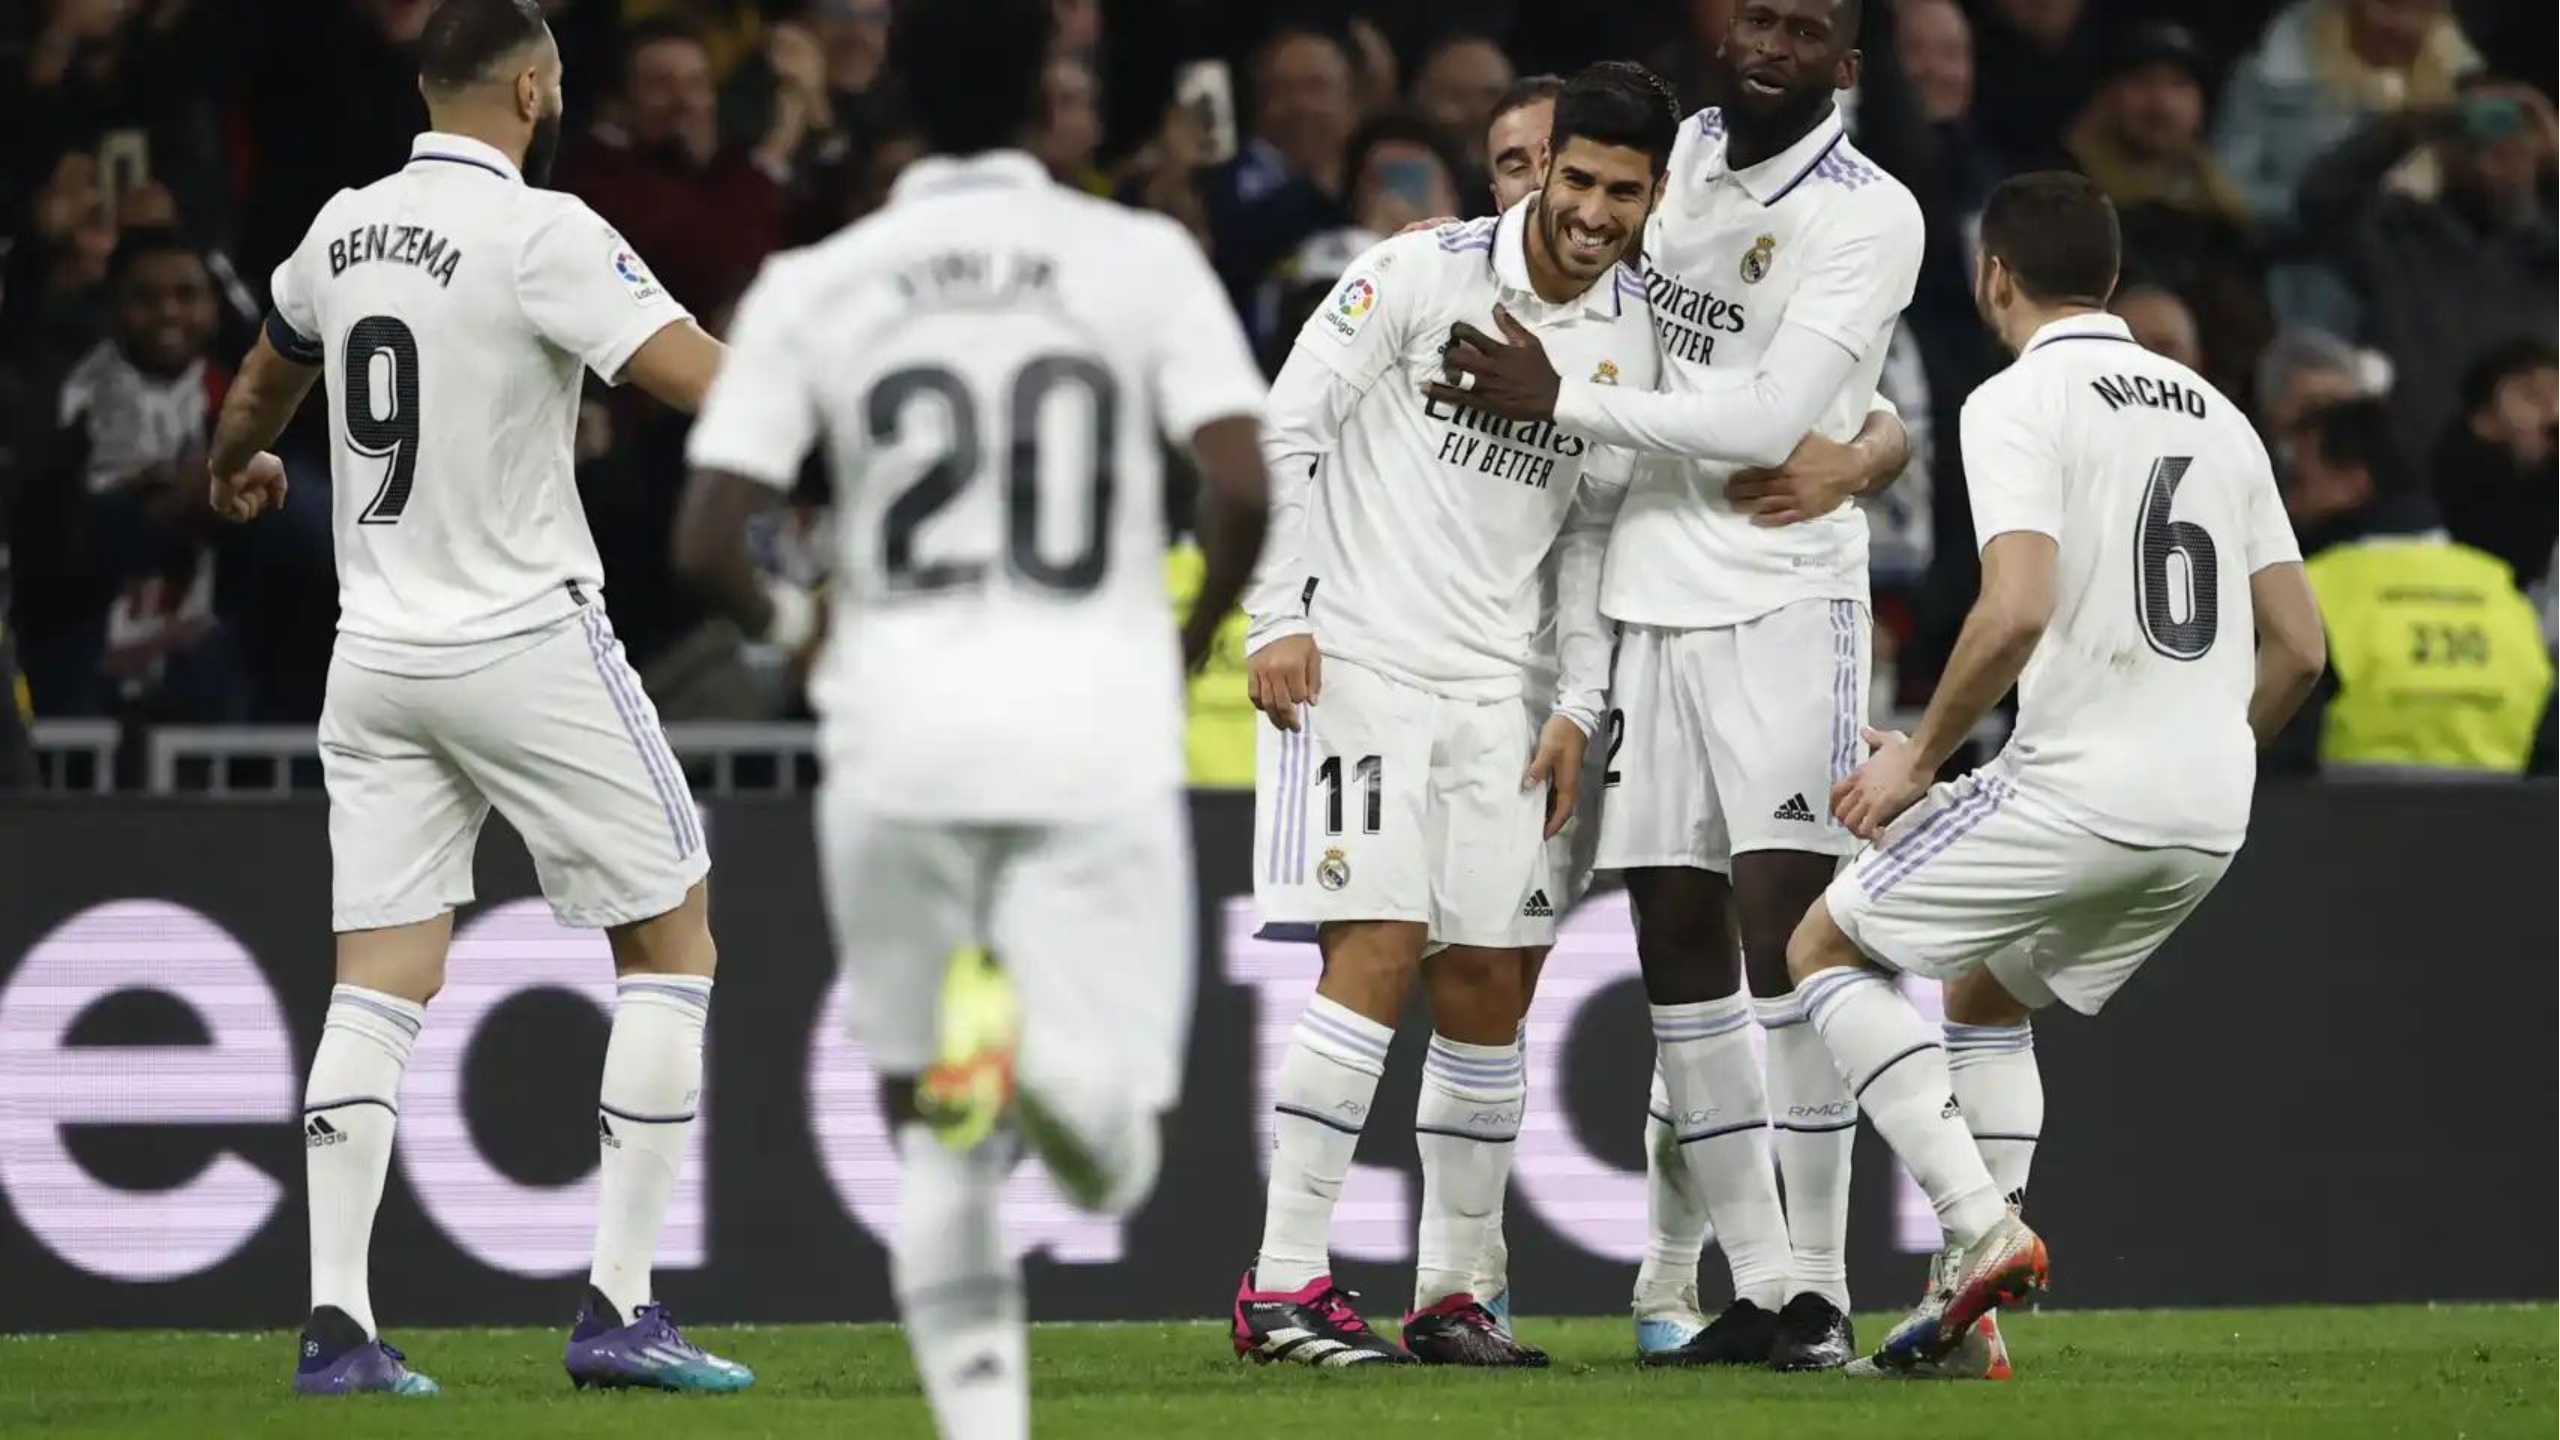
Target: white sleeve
point(1866, 266)
point(293, 317)
point(2270, 540)
point(1309, 404)
point(1738, 419)
point(2011, 468)
point(1202, 366)
point(1583, 634)
point(761, 417)
point(587, 291)
point(1357, 331)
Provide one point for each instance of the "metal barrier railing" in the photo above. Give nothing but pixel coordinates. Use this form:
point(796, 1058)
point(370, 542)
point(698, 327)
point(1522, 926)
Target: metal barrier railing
point(721, 759)
point(75, 756)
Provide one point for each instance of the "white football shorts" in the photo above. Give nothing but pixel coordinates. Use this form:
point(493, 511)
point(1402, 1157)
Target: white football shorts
point(559, 737)
point(1570, 855)
point(1982, 872)
point(1393, 803)
point(1091, 919)
point(1733, 736)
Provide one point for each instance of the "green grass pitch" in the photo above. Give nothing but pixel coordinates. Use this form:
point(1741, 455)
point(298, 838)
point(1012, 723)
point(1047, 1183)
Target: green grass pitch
point(2434, 1370)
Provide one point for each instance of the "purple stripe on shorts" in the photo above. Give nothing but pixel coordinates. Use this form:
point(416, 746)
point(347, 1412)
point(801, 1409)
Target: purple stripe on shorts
point(1880, 861)
point(651, 736)
point(598, 638)
point(1292, 807)
point(1971, 812)
point(1279, 808)
point(1298, 812)
point(1844, 689)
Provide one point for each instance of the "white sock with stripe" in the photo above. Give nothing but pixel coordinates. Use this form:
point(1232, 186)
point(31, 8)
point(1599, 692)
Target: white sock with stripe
point(1493, 1268)
point(1466, 1125)
point(1898, 1076)
point(1814, 1124)
point(1722, 1114)
point(644, 1113)
point(1675, 1214)
point(959, 1288)
point(350, 1107)
point(1327, 1083)
point(1993, 1071)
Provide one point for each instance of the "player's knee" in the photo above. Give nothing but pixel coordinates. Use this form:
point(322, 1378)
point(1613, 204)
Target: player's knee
point(1978, 998)
point(675, 943)
point(1818, 945)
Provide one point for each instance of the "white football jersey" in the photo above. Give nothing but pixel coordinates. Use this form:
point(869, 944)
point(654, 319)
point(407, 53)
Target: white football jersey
point(454, 307)
point(1816, 235)
point(991, 364)
point(2133, 713)
point(1423, 531)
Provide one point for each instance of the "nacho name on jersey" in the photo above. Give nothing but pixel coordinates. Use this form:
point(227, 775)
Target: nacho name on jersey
point(1525, 451)
point(413, 245)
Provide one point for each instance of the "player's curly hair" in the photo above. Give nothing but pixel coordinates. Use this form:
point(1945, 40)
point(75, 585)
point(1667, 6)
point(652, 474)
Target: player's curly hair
point(1618, 102)
point(971, 69)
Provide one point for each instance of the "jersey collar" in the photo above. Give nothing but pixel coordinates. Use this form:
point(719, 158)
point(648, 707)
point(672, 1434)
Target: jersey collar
point(1777, 177)
point(2094, 326)
point(436, 147)
point(935, 174)
point(1511, 267)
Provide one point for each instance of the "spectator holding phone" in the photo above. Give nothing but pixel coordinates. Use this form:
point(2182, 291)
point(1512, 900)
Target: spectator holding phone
point(2442, 279)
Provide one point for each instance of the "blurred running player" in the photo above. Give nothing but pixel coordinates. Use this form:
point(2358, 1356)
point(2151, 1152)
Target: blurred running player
point(2142, 590)
point(989, 364)
point(1405, 796)
point(1777, 266)
point(455, 307)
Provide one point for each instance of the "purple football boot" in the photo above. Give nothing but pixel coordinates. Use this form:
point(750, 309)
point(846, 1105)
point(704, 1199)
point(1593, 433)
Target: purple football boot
point(648, 1353)
point(338, 1358)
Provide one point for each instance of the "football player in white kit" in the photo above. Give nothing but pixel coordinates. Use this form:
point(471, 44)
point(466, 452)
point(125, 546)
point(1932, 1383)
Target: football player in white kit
point(1405, 796)
point(1666, 1293)
point(1777, 264)
point(2142, 590)
point(455, 307)
point(990, 364)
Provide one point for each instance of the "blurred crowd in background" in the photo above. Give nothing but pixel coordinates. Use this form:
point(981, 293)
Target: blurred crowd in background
point(2340, 211)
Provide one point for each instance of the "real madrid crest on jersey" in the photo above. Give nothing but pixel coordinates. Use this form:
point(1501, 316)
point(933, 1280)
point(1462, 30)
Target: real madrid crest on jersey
point(1333, 872)
point(1757, 260)
point(1605, 374)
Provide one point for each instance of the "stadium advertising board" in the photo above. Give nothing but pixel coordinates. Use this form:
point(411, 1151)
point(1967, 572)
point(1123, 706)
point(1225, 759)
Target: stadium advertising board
point(2295, 1063)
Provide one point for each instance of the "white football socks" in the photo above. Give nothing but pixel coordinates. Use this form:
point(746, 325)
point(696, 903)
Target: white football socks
point(1814, 1123)
point(1993, 1069)
point(1898, 1075)
point(1493, 1266)
point(1675, 1213)
point(1465, 1126)
point(350, 1107)
point(644, 1109)
point(1722, 1114)
point(959, 1289)
point(1327, 1083)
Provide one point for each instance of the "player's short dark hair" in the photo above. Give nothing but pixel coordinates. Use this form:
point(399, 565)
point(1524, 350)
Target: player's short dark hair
point(145, 242)
point(2057, 233)
point(1618, 102)
point(972, 69)
point(2519, 356)
point(1526, 91)
point(465, 38)
point(2357, 435)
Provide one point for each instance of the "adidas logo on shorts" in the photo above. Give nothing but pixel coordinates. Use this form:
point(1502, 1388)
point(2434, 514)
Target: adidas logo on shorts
point(1538, 908)
point(1794, 809)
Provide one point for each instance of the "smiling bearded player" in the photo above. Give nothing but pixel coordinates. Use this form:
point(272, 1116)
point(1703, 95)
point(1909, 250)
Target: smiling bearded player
point(1778, 262)
point(1405, 797)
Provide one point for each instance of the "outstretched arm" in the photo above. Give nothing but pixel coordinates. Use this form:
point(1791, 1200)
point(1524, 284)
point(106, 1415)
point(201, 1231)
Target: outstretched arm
point(247, 481)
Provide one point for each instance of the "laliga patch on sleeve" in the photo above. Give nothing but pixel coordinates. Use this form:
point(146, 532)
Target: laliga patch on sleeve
point(634, 275)
point(1349, 308)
